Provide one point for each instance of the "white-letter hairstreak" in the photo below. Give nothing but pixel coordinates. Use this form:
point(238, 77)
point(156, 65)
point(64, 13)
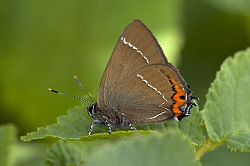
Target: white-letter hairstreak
point(139, 85)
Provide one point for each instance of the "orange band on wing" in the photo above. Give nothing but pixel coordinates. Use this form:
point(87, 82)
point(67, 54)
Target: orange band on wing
point(177, 99)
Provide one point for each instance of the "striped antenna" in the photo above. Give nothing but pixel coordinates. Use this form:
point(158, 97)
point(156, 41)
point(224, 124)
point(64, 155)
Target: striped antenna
point(52, 90)
point(79, 83)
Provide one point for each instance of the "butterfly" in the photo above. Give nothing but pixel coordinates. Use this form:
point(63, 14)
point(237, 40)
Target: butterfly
point(139, 85)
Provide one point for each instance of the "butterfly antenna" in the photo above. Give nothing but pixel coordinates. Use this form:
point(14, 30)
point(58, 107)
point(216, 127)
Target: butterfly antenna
point(79, 83)
point(52, 90)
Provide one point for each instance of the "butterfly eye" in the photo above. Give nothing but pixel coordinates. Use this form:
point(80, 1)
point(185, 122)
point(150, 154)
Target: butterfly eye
point(91, 109)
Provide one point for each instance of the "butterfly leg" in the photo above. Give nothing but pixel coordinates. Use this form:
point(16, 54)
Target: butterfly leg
point(105, 120)
point(92, 125)
point(125, 119)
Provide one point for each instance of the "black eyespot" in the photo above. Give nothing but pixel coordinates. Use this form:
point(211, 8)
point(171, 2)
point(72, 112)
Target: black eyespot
point(173, 88)
point(171, 82)
point(182, 97)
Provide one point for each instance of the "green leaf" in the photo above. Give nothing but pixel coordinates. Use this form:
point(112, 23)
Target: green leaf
point(7, 139)
point(239, 141)
point(74, 125)
point(115, 135)
point(193, 126)
point(226, 113)
point(66, 153)
point(171, 148)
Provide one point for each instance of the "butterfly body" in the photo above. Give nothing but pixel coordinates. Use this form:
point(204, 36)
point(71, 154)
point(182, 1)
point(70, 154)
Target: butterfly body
point(139, 85)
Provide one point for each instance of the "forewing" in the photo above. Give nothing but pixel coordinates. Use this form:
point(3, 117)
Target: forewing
point(136, 47)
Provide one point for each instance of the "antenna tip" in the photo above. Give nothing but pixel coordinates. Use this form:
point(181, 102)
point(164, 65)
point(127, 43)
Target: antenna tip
point(52, 90)
point(77, 80)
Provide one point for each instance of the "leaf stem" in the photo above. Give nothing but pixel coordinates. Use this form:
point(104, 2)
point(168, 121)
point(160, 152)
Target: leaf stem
point(207, 146)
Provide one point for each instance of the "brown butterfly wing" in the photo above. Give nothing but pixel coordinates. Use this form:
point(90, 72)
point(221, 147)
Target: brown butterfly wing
point(145, 95)
point(136, 47)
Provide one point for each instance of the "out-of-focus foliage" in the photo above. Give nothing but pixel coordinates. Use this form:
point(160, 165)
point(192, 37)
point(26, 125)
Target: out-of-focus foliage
point(232, 6)
point(171, 148)
point(16, 153)
point(7, 139)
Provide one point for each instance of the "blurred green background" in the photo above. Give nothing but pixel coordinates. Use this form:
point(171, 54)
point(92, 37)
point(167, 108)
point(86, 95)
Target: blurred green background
point(43, 44)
